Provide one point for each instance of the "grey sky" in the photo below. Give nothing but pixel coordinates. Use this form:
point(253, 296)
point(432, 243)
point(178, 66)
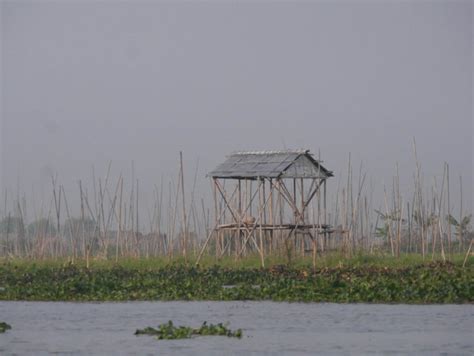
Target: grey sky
point(86, 82)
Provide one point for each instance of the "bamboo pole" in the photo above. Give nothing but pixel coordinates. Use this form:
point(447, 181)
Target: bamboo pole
point(461, 240)
point(191, 210)
point(467, 253)
point(209, 236)
point(185, 228)
point(161, 240)
point(325, 213)
point(137, 232)
point(216, 213)
point(173, 226)
point(302, 217)
point(280, 215)
point(119, 230)
point(449, 211)
point(271, 218)
point(418, 188)
point(82, 220)
point(265, 237)
point(389, 225)
point(261, 208)
point(400, 213)
point(71, 231)
point(238, 233)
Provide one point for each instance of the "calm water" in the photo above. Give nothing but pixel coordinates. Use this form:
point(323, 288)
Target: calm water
point(269, 328)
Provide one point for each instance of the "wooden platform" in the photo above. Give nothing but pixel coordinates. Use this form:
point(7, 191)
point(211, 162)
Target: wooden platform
point(269, 227)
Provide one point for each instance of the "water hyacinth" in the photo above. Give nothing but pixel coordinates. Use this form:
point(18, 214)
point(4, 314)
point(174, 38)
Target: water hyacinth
point(422, 283)
point(168, 331)
point(4, 327)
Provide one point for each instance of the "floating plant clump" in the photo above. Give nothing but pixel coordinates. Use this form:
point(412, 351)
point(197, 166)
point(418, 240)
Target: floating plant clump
point(4, 327)
point(168, 331)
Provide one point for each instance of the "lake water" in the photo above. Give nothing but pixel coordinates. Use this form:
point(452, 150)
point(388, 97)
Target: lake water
point(269, 328)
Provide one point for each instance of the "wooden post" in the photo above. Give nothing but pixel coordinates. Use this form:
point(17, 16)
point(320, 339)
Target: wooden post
point(281, 212)
point(82, 219)
point(449, 211)
point(119, 222)
point(303, 237)
point(264, 213)
point(215, 229)
point(315, 246)
point(260, 212)
point(318, 193)
point(296, 216)
point(271, 218)
point(185, 225)
point(216, 216)
point(238, 233)
point(136, 228)
point(460, 233)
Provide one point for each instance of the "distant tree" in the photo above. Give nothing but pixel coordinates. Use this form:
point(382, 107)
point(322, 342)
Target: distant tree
point(425, 222)
point(77, 225)
point(388, 219)
point(12, 224)
point(382, 232)
point(461, 227)
point(43, 226)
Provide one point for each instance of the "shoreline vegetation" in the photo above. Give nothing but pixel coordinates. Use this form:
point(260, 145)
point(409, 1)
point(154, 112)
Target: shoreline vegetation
point(360, 279)
point(108, 238)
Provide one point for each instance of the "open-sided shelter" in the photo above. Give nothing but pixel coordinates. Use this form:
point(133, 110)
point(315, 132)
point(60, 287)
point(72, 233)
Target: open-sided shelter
point(264, 196)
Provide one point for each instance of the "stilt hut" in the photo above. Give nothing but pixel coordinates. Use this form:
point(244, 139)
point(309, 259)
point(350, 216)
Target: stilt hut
point(267, 199)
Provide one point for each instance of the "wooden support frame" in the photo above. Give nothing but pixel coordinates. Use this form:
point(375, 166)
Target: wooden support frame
point(248, 210)
point(250, 218)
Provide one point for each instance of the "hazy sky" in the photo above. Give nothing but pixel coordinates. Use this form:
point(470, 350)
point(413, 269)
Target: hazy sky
point(85, 82)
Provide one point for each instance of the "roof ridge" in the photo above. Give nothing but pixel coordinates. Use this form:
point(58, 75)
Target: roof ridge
point(267, 152)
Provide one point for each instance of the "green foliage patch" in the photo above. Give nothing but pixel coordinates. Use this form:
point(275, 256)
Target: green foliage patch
point(4, 327)
point(168, 331)
point(422, 283)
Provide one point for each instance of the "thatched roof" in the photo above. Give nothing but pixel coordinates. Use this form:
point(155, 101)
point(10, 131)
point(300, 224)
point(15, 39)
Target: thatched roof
point(271, 164)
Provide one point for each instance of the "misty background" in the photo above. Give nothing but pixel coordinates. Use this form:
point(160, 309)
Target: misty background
point(88, 82)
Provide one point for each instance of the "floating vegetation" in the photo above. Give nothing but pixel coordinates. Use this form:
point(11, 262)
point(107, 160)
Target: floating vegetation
point(423, 283)
point(168, 331)
point(4, 327)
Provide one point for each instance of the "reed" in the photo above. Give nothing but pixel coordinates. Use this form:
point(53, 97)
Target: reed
point(107, 223)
